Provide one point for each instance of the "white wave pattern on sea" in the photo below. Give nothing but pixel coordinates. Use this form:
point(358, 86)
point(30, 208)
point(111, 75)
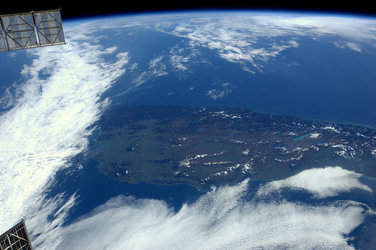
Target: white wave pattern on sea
point(224, 219)
point(49, 124)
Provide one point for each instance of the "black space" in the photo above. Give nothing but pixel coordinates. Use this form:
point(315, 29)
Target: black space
point(78, 9)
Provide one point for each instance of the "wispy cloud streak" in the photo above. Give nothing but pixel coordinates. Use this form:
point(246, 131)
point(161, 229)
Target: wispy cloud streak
point(221, 219)
point(256, 38)
point(50, 123)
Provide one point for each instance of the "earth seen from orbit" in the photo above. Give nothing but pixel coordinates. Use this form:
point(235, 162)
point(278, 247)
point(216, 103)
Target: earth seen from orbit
point(193, 130)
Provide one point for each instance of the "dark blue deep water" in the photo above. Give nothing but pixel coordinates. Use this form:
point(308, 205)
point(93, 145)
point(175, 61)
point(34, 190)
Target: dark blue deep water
point(315, 81)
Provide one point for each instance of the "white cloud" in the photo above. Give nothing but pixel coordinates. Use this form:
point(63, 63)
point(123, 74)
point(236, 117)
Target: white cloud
point(50, 123)
point(46, 217)
point(354, 46)
point(348, 45)
point(256, 38)
point(182, 56)
point(10, 96)
point(178, 61)
point(348, 27)
point(321, 182)
point(221, 219)
point(153, 63)
point(156, 69)
point(235, 39)
point(215, 94)
point(315, 135)
point(373, 152)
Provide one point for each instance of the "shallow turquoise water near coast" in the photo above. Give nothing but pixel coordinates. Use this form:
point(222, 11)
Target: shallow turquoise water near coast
point(301, 137)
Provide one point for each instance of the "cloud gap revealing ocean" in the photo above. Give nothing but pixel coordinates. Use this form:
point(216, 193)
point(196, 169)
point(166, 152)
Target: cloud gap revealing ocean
point(193, 130)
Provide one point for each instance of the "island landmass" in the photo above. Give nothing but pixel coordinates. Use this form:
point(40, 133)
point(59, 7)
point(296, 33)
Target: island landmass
point(205, 146)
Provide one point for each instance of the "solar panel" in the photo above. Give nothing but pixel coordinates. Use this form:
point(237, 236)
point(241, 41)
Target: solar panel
point(3, 45)
point(19, 31)
point(49, 27)
point(29, 30)
point(16, 238)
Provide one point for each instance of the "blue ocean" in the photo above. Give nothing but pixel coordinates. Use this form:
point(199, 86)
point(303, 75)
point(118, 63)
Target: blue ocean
point(315, 81)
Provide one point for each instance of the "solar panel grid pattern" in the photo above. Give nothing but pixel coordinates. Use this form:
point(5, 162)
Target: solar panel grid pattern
point(15, 238)
point(29, 30)
point(3, 46)
point(49, 27)
point(19, 30)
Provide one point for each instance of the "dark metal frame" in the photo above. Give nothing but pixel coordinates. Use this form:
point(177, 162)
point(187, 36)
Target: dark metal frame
point(16, 238)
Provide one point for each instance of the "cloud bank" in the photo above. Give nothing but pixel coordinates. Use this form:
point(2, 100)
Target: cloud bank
point(223, 219)
point(254, 38)
point(48, 125)
point(322, 183)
